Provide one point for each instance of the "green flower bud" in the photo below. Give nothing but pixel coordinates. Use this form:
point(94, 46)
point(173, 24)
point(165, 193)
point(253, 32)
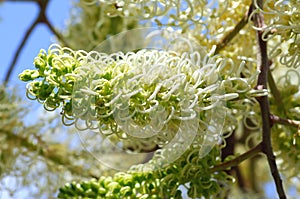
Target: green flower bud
point(114, 187)
point(29, 75)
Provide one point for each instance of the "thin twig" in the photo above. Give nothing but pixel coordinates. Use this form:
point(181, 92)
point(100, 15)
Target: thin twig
point(283, 121)
point(240, 25)
point(44, 19)
point(236, 161)
point(263, 64)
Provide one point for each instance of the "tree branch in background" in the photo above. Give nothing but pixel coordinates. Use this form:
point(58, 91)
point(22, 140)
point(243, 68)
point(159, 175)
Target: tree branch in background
point(50, 152)
point(241, 24)
point(277, 120)
point(229, 150)
point(263, 64)
point(236, 161)
point(43, 19)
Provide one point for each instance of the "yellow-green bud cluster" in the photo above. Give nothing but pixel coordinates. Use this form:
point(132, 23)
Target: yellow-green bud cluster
point(189, 170)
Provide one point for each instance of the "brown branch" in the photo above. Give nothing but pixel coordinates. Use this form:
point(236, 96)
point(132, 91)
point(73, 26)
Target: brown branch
point(240, 25)
point(277, 120)
point(228, 150)
point(236, 161)
point(44, 19)
point(263, 64)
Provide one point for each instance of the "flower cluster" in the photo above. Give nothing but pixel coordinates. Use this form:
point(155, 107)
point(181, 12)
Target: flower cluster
point(283, 21)
point(146, 96)
point(189, 171)
point(137, 95)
